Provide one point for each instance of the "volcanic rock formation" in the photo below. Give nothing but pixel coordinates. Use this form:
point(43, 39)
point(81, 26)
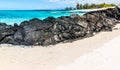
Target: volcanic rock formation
point(63, 29)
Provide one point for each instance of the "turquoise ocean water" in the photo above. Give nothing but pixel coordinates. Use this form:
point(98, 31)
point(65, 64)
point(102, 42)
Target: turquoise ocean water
point(17, 16)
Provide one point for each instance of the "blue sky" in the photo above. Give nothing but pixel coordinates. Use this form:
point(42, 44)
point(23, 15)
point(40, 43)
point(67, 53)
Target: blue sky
point(46, 4)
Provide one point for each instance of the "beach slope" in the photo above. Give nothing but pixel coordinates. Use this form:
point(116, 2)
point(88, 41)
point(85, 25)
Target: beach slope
point(104, 58)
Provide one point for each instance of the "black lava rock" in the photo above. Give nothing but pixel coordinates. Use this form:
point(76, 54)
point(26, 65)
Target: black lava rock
point(63, 29)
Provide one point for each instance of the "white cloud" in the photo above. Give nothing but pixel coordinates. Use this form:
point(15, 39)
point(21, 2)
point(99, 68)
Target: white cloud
point(85, 1)
point(54, 0)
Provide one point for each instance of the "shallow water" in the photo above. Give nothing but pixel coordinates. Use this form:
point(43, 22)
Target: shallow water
point(17, 16)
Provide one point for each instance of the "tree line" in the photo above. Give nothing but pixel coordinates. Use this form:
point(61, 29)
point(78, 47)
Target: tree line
point(89, 6)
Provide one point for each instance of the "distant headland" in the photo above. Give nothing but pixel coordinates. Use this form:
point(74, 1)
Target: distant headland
point(90, 6)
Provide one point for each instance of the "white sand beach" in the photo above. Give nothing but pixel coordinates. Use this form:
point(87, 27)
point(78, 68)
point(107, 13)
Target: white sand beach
point(95, 9)
point(104, 58)
point(100, 52)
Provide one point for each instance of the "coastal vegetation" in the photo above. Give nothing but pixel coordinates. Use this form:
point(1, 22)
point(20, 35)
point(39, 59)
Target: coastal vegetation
point(90, 6)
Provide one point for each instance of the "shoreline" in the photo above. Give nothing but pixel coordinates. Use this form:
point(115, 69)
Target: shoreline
point(96, 9)
point(52, 30)
point(62, 54)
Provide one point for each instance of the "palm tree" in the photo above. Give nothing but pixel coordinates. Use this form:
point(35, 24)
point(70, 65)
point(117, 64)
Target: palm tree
point(78, 6)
